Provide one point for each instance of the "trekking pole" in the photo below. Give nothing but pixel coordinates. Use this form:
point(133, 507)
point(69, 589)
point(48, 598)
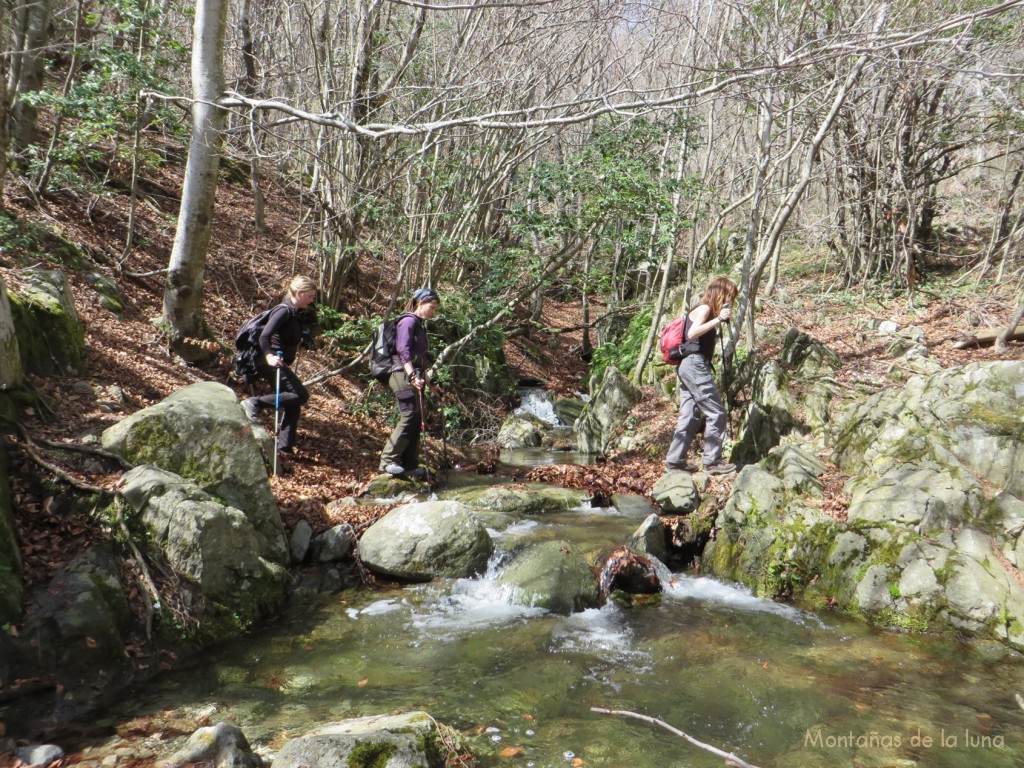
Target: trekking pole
point(277, 407)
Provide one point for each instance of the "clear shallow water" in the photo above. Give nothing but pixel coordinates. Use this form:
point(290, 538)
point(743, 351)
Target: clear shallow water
point(778, 686)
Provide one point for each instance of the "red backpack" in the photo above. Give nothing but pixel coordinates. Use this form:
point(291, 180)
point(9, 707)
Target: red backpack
point(672, 340)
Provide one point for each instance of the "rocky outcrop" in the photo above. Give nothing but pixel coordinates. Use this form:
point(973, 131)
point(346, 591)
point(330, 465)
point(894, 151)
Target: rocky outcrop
point(791, 395)
point(427, 540)
point(11, 373)
point(603, 415)
point(932, 535)
point(552, 575)
point(201, 433)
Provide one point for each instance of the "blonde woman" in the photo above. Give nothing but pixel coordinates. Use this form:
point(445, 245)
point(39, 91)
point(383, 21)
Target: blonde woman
point(697, 390)
point(279, 343)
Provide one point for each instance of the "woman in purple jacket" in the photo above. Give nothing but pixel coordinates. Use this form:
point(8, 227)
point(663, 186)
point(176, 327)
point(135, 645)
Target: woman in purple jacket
point(401, 452)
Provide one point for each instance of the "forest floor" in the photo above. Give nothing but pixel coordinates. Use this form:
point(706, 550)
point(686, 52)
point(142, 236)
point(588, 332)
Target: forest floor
point(343, 428)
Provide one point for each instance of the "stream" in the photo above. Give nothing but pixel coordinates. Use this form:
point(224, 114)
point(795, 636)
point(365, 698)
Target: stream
point(775, 685)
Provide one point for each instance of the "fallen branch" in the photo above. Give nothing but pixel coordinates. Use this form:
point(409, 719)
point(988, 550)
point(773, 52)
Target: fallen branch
point(713, 750)
point(989, 336)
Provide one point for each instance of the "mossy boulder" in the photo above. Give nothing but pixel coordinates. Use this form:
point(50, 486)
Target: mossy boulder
point(81, 618)
point(201, 433)
point(51, 338)
point(407, 740)
point(520, 431)
point(552, 575)
point(518, 499)
point(214, 549)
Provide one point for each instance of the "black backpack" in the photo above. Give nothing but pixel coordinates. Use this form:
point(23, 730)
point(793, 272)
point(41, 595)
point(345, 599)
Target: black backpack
point(382, 351)
point(247, 346)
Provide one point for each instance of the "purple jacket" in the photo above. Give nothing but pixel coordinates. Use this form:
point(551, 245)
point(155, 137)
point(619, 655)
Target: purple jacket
point(411, 341)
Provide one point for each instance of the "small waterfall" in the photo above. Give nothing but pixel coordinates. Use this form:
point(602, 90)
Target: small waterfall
point(535, 403)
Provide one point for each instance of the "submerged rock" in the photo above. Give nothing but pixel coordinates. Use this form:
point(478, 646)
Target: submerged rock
point(552, 575)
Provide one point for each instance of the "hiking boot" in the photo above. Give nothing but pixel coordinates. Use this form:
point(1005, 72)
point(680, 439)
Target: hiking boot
point(673, 466)
point(252, 410)
point(719, 468)
point(394, 469)
point(420, 473)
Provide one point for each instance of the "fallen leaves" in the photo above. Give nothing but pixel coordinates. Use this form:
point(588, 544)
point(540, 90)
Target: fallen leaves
point(511, 751)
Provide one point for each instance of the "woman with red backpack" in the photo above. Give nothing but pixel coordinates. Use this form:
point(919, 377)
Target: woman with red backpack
point(697, 390)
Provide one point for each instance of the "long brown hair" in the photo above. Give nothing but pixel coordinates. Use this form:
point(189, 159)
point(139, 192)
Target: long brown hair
point(720, 291)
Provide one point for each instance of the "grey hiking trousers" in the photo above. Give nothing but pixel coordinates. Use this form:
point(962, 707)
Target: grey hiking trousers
point(697, 391)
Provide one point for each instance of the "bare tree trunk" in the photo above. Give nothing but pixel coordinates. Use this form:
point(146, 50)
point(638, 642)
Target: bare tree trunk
point(248, 87)
point(31, 22)
point(183, 292)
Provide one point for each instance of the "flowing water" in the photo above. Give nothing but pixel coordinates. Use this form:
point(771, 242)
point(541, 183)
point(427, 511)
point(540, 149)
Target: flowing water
point(775, 685)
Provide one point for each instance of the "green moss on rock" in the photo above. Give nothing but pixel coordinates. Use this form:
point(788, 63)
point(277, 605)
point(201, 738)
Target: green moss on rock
point(371, 754)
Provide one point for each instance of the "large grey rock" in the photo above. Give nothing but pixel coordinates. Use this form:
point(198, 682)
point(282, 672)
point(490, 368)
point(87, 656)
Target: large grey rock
point(220, 745)
point(410, 740)
point(603, 415)
point(676, 492)
point(213, 547)
point(334, 544)
point(520, 431)
point(201, 433)
point(51, 338)
point(427, 540)
point(552, 575)
point(965, 420)
point(651, 538)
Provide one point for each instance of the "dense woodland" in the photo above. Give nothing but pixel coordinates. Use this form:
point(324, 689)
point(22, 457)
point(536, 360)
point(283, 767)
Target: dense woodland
point(526, 150)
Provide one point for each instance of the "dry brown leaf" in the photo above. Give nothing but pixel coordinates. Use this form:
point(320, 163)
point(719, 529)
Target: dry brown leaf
point(511, 751)
point(364, 681)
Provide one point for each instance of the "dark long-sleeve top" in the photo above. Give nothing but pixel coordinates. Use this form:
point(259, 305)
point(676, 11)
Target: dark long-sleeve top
point(411, 341)
point(282, 333)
